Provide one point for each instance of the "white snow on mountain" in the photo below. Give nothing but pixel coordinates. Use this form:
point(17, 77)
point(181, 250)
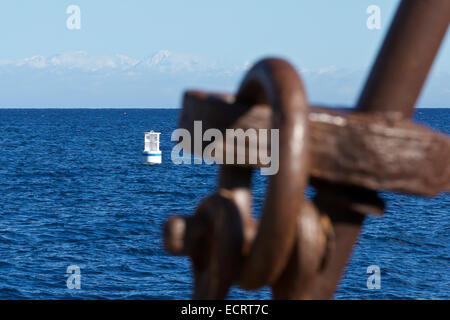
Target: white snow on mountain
point(38, 62)
point(163, 76)
point(162, 61)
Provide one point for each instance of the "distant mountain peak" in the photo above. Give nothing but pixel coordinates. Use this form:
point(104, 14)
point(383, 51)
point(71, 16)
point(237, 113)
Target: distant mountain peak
point(160, 57)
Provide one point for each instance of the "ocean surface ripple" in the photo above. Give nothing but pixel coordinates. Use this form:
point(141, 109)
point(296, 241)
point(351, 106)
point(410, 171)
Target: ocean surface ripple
point(74, 192)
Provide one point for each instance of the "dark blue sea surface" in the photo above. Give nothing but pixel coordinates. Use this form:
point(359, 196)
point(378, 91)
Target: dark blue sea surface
point(73, 191)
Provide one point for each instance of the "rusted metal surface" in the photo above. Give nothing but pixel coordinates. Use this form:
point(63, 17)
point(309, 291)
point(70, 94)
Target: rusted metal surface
point(350, 148)
point(405, 58)
point(276, 83)
point(262, 249)
point(300, 248)
point(393, 98)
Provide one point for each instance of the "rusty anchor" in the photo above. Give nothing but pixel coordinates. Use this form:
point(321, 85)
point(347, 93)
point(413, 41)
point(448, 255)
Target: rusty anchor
point(299, 248)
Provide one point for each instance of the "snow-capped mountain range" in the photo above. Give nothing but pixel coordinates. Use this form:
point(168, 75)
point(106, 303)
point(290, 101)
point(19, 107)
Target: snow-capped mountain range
point(161, 61)
point(161, 78)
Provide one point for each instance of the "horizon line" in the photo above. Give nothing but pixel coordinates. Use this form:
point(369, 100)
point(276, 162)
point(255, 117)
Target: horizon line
point(168, 108)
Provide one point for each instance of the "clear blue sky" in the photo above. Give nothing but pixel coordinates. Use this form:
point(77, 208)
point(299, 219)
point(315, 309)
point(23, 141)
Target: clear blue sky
point(145, 53)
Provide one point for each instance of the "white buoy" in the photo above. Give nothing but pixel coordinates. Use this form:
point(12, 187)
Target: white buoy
point(152, 154)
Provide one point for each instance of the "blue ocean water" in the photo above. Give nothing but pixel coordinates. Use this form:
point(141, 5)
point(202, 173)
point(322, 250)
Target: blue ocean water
point(74, 192)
